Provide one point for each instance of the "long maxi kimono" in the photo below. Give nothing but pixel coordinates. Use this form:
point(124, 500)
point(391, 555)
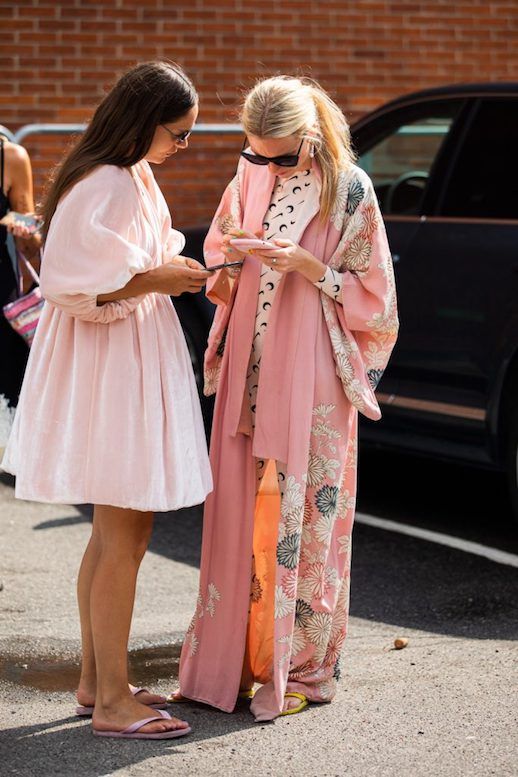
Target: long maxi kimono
point(274, 580)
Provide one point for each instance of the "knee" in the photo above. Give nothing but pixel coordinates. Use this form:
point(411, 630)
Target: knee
point(140, 547)
point(123, 535)
point(129, 549)
point(138, 544)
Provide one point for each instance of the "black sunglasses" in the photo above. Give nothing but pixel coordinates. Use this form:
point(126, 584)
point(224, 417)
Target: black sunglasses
point(181, 138)
point(285, 160)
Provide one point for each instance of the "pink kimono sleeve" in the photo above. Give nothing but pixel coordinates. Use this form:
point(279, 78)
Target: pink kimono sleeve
point(221, 289)
point(92, 247)
point(368, 289)
point(363, 328)
point(227, 216)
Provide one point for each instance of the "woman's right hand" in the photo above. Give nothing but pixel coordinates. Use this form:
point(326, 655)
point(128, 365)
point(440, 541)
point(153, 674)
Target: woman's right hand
point(21, 230)
point(174, 279)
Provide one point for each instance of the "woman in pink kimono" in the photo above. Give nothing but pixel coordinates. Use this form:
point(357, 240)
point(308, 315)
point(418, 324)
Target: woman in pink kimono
point(109, 412)
point(300, 340)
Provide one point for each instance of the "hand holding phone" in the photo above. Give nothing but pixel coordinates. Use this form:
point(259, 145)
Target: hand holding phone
point(28, 220)
point(250, 245)
point(225, 265)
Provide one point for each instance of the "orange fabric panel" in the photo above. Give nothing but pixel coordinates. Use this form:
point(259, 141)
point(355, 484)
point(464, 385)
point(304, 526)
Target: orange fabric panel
point(260, 625)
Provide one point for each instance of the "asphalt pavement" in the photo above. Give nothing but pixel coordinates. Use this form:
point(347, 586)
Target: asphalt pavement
point(443, 705)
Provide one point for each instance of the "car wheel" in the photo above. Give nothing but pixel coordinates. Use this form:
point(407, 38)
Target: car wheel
point(512, 461)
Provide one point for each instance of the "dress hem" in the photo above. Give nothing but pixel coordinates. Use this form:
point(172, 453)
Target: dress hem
point(69, 500)
point(210, 703)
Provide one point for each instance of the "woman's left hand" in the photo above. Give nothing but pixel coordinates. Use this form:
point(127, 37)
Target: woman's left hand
point(290, 257)
point(287, 258)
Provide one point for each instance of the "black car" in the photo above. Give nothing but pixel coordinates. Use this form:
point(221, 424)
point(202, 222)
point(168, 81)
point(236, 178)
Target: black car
point(444, 163)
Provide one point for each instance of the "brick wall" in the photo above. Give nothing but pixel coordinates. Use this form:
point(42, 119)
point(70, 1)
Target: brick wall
point(57, 57)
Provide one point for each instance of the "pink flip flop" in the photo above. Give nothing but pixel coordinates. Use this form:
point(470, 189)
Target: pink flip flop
point(132, 731)
point(87, 712)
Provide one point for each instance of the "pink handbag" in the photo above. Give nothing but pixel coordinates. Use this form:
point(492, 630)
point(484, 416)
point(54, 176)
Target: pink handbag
point(23, 314)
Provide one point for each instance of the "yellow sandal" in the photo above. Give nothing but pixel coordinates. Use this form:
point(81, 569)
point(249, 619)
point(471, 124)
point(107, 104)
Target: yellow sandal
point(241, 695)
point(303, 703)
point(246, 694)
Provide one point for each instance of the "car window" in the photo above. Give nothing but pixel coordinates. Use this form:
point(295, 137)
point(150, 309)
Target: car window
point(484, 180)
point(398, 152)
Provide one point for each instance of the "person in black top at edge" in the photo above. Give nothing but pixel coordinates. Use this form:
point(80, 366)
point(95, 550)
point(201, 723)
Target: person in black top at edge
point(16, 194)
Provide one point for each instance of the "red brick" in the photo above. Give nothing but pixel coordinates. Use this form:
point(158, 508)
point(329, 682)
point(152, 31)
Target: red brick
point(43, 12)
point(59, 57)
point(58, 50)
point(57, 26)
point(12, 100)
point(66, 12)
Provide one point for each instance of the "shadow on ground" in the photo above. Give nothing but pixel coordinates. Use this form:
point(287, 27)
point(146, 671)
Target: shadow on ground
point(398, 579)
point(67, 748)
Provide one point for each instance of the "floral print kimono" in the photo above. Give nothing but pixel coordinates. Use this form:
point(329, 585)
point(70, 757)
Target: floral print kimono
point(274, 580)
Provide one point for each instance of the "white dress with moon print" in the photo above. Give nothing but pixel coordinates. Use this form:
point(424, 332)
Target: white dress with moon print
point(287, 216)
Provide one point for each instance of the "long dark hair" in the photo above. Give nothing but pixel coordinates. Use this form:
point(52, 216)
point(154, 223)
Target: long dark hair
point(122, 128)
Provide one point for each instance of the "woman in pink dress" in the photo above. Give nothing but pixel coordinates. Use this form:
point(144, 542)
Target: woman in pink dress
point(109, 412)
point(300, 340)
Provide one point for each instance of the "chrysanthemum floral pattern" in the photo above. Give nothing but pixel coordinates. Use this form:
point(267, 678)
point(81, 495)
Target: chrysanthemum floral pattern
point(313, 554)
point(318, 630)
point(288, 551)
point(192, 643)
point(361, 357)
point(204, 604)
point(293, 499)
point(284, 604)
point(289, 583)
point(340, 203)
point(299, 641)
point(326, 501)
point(256, 589)
point(355, 195)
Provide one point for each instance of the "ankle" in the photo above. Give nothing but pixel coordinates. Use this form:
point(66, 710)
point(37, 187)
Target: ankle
point(112, 700)
point(87, 682)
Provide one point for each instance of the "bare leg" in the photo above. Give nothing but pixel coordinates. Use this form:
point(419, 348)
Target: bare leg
point(88, 680)
point(123, 538)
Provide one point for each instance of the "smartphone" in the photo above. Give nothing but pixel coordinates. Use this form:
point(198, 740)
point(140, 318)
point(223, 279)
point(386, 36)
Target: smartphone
point(225, 264)
point(27, 219)
point(249, 244)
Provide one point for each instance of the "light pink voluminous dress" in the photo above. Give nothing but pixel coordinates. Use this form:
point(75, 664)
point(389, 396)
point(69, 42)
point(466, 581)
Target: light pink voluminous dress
point(109, 412)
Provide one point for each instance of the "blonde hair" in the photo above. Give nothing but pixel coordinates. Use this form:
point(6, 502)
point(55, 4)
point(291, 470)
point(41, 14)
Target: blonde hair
point(281, 106)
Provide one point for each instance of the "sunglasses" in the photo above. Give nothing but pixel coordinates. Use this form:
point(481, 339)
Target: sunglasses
point(181, 138)
point(285, 160)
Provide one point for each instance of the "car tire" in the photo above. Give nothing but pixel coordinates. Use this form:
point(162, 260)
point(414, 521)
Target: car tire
point(512, 460)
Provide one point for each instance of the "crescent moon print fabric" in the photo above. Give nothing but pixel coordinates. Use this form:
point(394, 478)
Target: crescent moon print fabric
point(331, 284)
point(286, 217)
